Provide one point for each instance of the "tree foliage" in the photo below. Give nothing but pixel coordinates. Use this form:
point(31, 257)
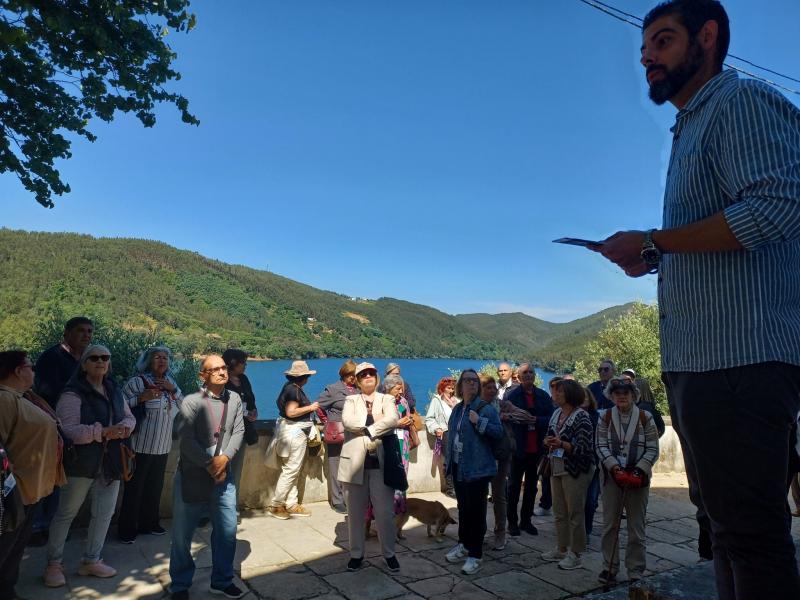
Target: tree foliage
point(64, 62)
point(632, 341)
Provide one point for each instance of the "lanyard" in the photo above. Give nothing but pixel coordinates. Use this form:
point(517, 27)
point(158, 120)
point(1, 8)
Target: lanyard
point(218, 426)
point(461, 419)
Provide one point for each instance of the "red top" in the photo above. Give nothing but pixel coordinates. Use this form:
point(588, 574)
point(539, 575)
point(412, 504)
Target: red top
point(532, 441)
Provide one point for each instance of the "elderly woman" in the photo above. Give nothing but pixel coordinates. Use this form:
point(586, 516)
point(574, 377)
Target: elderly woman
point(331, 400)
point(571, 450)
point(627, 446)
point(367, 417)
point(236, 361)
point(29, 436)
point(472, 465)
point(96, 418)
point(291, 432)
point(155, 396)
point(439, 410)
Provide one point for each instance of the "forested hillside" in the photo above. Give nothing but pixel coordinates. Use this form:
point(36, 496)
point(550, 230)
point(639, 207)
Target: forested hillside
point(192, 301)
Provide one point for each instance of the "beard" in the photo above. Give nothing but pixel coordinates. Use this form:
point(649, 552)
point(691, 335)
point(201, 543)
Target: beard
point(674, 80)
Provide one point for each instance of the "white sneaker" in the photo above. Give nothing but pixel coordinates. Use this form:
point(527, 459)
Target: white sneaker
point(541, 512)
point(471, 565)
point(571, 561)
point(555, 555)
point(456, 553)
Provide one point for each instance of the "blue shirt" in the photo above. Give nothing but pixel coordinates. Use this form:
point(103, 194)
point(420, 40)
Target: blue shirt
point(736, 148)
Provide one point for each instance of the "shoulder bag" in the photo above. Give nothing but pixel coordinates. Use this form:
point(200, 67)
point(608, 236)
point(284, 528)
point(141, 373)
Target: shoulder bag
point(501, 448)
point(197, 483)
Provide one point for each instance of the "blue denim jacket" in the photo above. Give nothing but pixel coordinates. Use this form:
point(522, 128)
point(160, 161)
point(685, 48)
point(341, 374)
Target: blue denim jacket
point(476, 460)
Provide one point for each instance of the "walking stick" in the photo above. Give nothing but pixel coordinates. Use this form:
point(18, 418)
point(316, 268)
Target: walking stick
point(607, 585)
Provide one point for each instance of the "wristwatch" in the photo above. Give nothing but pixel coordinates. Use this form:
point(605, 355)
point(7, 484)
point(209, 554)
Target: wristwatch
point(650, 254)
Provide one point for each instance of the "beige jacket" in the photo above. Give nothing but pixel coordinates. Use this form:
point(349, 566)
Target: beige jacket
point(356, 443)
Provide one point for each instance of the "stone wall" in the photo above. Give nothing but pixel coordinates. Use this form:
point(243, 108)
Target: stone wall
point(258, 482)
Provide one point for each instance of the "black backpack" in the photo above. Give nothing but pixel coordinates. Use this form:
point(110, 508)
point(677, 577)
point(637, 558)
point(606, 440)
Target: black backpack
point(501, 448)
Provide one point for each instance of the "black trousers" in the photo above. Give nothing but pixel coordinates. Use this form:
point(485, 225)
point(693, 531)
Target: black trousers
point(523, 467)
point(472, 501)
point(142, 495)
point(734, 427)
point(12, 547)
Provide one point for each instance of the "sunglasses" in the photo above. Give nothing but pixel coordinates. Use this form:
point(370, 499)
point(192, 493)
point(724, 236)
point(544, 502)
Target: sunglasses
point(99, 357)
point(367, 373)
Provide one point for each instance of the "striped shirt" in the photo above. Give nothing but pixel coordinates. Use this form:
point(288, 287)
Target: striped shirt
point(736, 148)
point(153, 435)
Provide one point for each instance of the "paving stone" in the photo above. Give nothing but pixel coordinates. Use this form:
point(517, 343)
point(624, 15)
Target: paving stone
point(576, 581)
point(657, 534)
point(335, 563)
point(448, 587)
point(412, 568)
point(656, 564)
point(488, 567)
point(676, 554)
point(369, 583)
point(288, 584)
point(689, 583)
point(516, 584)
point(683, 527)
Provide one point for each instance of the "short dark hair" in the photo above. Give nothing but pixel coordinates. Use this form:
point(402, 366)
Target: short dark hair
point(573, 391)
point(693, 14)
point(11, 360)
point(234, 356)
point(75, 321)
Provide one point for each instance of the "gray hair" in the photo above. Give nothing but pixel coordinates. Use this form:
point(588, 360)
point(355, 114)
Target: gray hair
point(143, 363)
point(91, 349)
point(392, 380)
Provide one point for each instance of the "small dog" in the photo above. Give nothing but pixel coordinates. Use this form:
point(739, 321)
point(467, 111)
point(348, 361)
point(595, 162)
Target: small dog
point(432, 514)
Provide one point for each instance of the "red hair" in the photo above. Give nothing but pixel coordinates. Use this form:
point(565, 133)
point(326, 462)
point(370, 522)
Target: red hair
point(443, 383)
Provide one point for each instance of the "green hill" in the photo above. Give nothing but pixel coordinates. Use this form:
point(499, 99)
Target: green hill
point(194, 301)
point(551, 345)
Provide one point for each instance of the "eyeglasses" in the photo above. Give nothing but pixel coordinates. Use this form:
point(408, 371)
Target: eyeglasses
point(221, 369)
point(367, 373)
point(99, 357)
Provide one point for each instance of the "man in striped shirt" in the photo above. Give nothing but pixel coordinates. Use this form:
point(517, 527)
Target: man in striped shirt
point(728, 263)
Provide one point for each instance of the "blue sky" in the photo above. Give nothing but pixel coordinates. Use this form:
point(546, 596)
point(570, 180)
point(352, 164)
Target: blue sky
point(423, 150)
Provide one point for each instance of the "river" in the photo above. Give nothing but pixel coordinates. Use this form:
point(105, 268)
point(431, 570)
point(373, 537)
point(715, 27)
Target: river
point(422, 375)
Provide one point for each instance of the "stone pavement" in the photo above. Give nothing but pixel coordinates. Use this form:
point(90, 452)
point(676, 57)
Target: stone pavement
point(306, 558)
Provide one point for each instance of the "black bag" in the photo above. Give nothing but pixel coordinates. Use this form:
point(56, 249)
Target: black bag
point(119, 460)
point(197, 483)
point(12, 509)
point(394, 474)
point(501, 448)
point(250, 432)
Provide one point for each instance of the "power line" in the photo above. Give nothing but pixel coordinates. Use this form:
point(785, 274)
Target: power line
point(626, 17)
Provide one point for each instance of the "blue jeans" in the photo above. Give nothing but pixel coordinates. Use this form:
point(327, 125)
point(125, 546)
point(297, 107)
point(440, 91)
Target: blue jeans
point(592, 495)
point(221, 508)
point(45, 511)
point(104, 502)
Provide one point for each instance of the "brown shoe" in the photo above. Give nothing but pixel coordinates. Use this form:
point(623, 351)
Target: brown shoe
point(298, 510)
point(279, 512)
point(54, 575)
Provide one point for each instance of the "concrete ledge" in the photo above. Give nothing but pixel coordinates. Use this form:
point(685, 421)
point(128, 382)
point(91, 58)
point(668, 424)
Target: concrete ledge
point(258, 482)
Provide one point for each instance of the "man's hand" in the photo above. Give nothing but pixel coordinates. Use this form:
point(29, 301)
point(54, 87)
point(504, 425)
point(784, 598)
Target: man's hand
point(217, 467)
point(624, 249)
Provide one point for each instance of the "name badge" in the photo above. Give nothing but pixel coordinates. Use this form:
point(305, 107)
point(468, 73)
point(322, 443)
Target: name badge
point(459, 447)
point(558, 453)
point(9, 484)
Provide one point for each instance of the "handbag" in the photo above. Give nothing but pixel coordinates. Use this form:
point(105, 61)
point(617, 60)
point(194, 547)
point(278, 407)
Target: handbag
point(334, 432)
point(419, 424)
point(12, 509)
point(314, 441)
point(250, 432)
point(545, 469)
point(394, 474)
point(119, 460)
point(413, 438)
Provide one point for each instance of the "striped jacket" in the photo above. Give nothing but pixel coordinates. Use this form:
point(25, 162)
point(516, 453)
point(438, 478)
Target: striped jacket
point(644, 445)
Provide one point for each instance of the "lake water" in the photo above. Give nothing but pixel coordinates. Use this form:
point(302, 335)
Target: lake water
point(421, 374)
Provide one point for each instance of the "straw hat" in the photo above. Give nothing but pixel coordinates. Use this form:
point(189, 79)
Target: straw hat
point(299, 368)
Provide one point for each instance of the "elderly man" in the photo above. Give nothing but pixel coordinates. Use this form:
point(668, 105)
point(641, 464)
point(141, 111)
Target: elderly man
point(210, 436)
point(728, 291)
point(505, 383)
point(605, 371)
point(530, 448)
